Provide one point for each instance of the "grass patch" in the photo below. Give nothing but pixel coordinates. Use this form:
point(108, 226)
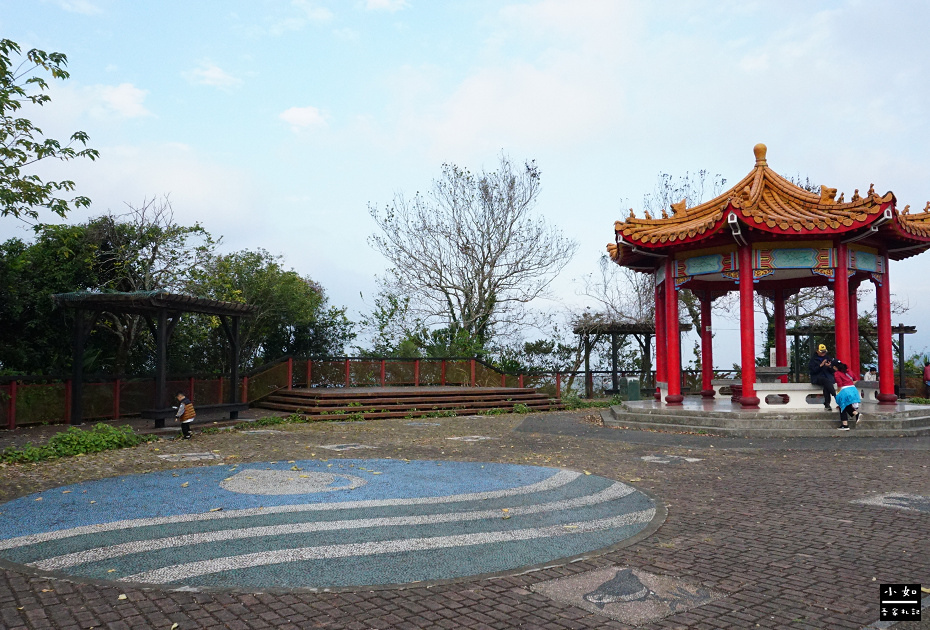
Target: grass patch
point(74, 441)
point(917, 400)
point(521, 408)
point(573, 401)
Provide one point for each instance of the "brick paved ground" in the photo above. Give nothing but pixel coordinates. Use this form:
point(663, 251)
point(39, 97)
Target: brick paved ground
point(772, 527)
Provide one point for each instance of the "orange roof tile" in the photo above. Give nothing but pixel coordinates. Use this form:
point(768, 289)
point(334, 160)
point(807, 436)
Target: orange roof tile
point(767, 201)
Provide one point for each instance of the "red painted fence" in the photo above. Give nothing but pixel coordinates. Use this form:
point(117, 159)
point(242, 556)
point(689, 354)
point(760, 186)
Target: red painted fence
point(28, 400)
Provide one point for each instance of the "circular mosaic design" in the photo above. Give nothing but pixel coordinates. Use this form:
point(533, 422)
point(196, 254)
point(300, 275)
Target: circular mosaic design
point(317, 524)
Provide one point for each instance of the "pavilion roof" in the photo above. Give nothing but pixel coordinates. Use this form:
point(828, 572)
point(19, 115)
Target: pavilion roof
point(766, 202)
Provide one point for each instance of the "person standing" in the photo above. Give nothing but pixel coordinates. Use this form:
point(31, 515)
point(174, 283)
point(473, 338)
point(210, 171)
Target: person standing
point(821, 371)
point(185, 415)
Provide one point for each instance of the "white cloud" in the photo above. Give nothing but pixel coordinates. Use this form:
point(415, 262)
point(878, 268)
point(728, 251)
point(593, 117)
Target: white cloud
point(85, 7)
point(386, 5)
point(208, 73)
point(313, 12)
point(124, 99)
point(303, 118)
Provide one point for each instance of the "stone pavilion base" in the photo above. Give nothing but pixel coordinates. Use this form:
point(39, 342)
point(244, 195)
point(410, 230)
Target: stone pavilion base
point(723, 417)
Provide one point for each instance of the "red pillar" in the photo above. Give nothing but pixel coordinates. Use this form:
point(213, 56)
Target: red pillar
point(707, 348)
point(854, 366)
point(660, 338)
point(841, 305)
point(886, 395)
point(747, 329)
point(672, 336)
point(781, 337)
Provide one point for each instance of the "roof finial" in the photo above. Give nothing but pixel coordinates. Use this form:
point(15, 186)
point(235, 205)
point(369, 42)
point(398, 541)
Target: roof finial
point(759, 151)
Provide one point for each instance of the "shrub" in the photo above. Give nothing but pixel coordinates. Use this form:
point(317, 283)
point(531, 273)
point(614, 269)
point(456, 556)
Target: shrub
point(75, 441)
point(521, 408)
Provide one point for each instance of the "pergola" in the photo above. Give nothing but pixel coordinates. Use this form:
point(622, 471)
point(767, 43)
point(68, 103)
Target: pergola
point(162, 311)
point(641, 331)
point(770, 236)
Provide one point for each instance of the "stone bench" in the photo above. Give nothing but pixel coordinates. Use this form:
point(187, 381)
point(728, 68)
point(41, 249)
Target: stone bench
point(868, 390)
point(788, 395)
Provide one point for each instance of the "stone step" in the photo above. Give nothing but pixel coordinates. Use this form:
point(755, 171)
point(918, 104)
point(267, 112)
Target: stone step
point(824, 426)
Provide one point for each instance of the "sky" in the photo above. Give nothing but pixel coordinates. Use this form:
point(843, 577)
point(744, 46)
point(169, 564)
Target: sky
point(276, 123)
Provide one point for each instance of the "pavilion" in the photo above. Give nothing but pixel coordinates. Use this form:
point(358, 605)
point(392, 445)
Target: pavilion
point(770, 236)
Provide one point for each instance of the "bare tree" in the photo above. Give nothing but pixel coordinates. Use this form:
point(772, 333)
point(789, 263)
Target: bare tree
point(145, 250)
point(470, 254)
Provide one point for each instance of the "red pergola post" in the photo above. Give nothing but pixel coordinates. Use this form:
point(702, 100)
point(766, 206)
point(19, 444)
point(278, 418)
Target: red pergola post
point(707, 348)
point(841, 304)
point(309, 371)
point(886, 395)
point(854, 366)
point(672, 336)
point(781, 337)
point(747, 329)
point(660, 338)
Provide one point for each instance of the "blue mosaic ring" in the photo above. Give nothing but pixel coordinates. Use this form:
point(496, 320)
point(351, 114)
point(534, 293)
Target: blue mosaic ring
point(321, 524)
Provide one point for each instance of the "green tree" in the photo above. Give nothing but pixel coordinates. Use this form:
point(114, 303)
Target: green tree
point(293, 314)
point(35, 337)
point(22, 144)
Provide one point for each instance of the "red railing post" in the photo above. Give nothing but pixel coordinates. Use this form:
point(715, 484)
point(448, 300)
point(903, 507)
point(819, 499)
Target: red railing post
point(347, 372)
point(416, 372)
point(503, 380)
point(473, 379)
point(309, 372)
point(290, 372)
point(558, 385)
point(442, 373)
point(116, 388)
point(520, 381)
point(68, 399)
point(382, 372)
point(11, 407)
point(245, 389)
